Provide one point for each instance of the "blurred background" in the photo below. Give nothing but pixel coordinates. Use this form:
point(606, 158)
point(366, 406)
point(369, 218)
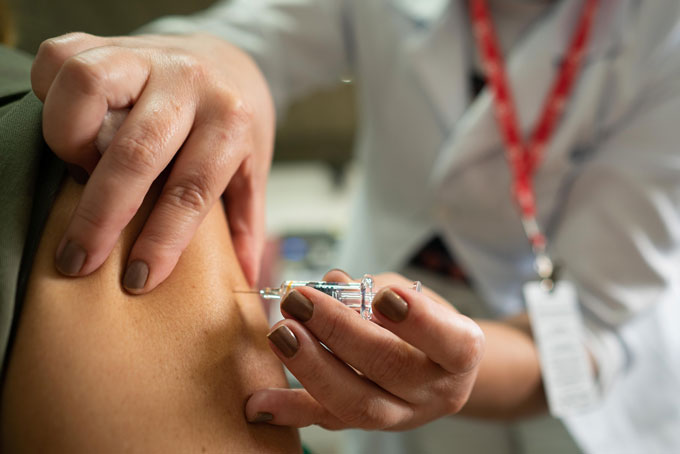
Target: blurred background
point(313, 148)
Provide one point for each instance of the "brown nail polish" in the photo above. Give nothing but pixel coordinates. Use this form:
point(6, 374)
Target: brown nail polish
point(285, 340)
point(263, 417)
point(71, 259)
point(297, 305)
point(390, 305)
point(135, 276)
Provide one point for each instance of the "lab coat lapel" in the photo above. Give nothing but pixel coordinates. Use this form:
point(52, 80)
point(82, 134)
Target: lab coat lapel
point(531, 67)
point(436, 51)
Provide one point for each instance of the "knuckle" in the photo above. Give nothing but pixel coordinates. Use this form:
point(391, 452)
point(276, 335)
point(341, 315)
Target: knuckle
point(85, 74)
point(137, 153)
point(191, 69)
point(367, 413)
point(388, 367)
point(448, 394)
point(220, 137)
point(174, 108)
point(455, 401)
point(231, 108)
point(451, 405)
point(74, 36)
point(454, 404)
point(316, 372)
point(92, 218)
point(56, 49)
point(51, 50)
point(472, 348)
point(332, 332)
point(192, 195)
point(241, 112)
point(51, 57)
point(358, 413)
point(161, 245)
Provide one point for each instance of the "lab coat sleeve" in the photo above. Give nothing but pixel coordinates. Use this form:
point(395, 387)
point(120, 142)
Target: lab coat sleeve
point(300, 45)
point(619, 234)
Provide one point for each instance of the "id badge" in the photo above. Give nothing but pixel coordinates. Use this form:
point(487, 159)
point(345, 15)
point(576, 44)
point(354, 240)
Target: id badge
point(558, 333)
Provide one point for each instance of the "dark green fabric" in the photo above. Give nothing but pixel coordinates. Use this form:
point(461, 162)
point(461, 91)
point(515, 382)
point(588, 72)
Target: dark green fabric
point(30, 176)
point(15, 73)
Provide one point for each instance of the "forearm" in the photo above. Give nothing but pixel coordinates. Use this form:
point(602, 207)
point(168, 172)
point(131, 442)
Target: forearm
point(509, 382)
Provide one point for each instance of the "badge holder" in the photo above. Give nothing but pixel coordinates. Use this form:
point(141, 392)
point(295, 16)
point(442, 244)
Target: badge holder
point(558, 332)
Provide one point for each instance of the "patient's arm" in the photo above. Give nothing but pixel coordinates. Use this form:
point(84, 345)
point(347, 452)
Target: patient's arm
point(94, 369)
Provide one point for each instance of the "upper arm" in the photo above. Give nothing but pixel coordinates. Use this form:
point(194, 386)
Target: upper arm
point(94, 369)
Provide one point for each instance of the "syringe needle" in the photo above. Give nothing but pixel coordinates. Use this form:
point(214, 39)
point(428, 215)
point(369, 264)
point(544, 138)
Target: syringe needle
point(266, 293)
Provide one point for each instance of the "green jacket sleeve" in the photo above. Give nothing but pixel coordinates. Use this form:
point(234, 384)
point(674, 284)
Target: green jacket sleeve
point(30, 175)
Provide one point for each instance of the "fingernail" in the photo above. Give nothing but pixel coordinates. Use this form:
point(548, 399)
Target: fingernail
point(79, 174)
point(285, 340)
point(262, 417)
point(297, 305)
point(135, 276)
point(390, 305)
point(71, 259)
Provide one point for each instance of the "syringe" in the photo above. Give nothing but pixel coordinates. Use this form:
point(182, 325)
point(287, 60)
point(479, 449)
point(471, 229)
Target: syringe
point(357, 295)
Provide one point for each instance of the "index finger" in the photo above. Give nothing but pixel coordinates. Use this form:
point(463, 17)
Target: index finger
point(452, 340)
point(87, 86)
point(141, 149)
point(378, 354)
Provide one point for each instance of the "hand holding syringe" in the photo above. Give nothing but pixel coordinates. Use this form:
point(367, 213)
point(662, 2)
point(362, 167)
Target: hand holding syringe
point(357, 295)
point(416, 363)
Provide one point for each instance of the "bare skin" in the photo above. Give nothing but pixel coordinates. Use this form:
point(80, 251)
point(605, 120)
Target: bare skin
point(95, 369)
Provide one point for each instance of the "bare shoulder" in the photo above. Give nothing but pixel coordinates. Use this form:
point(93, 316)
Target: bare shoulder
point(94, 369)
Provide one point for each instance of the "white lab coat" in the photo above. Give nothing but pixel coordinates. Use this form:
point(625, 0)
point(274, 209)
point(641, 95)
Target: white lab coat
point(608, 189)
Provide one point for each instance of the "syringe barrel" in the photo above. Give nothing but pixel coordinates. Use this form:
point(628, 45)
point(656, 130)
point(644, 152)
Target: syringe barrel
point(357, 295)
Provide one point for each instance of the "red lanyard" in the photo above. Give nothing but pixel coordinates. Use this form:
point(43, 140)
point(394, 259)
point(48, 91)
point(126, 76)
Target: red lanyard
point(523, 157)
